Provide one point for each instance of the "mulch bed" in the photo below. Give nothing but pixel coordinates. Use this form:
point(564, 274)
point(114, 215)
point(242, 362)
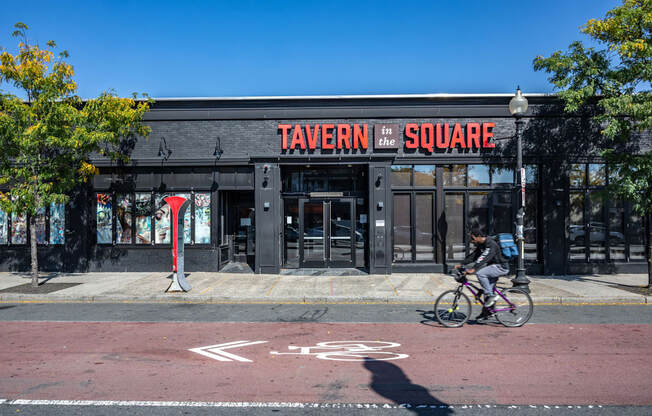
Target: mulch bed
point(43, 288)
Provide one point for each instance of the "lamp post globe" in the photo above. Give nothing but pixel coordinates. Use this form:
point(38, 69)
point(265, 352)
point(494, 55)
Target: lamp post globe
point(518, 107)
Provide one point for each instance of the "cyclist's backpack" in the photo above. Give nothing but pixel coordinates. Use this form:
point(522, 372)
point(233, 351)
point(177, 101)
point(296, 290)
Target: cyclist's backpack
point(507, 246)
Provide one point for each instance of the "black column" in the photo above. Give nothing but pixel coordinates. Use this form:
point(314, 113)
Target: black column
point(380, 218)
point(267, 178)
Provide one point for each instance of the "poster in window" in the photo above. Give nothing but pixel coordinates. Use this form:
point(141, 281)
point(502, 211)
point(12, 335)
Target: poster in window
point(162, 219)
point(143, 218)
point(104, 219)
point(187, 227)
point(40, 226)
point(124, 223)
point(3, 227)
point(18, 229)
point(57, 223)
point(202, 218)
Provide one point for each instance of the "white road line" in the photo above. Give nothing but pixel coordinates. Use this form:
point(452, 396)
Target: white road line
point(286, 405)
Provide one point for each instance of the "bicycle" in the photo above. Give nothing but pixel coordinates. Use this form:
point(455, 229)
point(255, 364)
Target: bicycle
point(513, 308)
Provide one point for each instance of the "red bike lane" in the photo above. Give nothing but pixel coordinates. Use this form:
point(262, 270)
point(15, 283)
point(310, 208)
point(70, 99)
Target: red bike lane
point(476, 364)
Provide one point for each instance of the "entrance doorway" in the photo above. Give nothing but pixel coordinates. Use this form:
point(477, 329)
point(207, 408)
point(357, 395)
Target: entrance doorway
point(237, 215)
point(327, 233)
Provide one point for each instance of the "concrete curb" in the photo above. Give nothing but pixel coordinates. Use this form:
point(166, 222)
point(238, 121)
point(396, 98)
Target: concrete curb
point(185, 298)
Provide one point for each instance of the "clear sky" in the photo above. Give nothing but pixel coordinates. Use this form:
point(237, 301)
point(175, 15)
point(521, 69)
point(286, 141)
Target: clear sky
point(253, 48)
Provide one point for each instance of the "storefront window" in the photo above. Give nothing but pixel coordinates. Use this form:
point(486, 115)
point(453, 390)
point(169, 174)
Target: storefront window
point(636, 238)
point(18, 229)
point(501, 176)
point(143, 218)
point(617, 231)
point(531, 174)
point(479, 211)
point(162, 219)
point(455, 175)
point(577, 175)
point(57, 223)
point(401, 175)
point(597, 175)
point(530, 226)
point(124, 224)
point(424, 244)
point(202, 218)
point(424, 175)
point(479, 175)
point(502, 213)
point(104, 219)
point(3, 227)
point(41, 230)
point(402, 228)
point(454, 215)
point(576, 232)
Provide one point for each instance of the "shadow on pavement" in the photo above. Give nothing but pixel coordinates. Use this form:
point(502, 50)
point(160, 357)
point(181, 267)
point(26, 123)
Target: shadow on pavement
point(391, 382)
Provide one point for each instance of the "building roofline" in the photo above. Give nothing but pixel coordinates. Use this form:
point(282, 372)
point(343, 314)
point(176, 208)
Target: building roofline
point(348, 97)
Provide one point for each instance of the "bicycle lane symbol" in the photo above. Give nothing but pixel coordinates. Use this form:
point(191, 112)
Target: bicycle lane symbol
point(348, 351)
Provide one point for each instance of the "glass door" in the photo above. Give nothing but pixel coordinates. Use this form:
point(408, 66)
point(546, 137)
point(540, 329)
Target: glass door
point(326, 232)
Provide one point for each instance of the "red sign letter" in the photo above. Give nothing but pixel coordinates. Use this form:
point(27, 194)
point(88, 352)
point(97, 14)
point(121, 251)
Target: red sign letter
point(297, 138)
point(443, 144)
point(487, 134)
point(458, 137)
point(428, 136)
point(312, 138)
point(411, 130)
point(343, 136)
point(360, 138)
point(473, 135)
point(284, 129)
point(326, 136)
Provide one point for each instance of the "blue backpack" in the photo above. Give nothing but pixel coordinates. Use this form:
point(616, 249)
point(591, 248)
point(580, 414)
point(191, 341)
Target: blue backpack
point(507, 246)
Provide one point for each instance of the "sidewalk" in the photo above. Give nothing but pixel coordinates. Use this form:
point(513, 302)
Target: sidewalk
point(250, 288)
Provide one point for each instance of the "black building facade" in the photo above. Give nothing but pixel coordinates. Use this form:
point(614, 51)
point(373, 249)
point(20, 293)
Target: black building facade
point(378, 183)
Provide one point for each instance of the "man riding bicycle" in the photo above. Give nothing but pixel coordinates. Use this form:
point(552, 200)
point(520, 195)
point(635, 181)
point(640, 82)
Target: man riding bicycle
point(488, 264)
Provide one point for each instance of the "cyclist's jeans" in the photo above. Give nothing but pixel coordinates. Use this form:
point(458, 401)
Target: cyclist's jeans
point(488, 276)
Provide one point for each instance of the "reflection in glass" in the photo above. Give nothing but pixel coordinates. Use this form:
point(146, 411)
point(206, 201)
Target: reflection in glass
point(291, 232)
point(454, 227)
point(104, 219)
point(531, 174)
point(402, 228)
point(143, 218)
point(502, 213)
point(187, 227)
point(124, 223)
point(18, 229)
point(57, 223)
point(576, 237)
point(530, 227)
point(479, 211)
point(401, 175)
point(636, 238)
point(617, 231)
point(577, 174)
point(361, 231)
point(202, 218)
point(455, 175)
point(341, 249)
point(3, 227)
point(313, 232)
point(424, 175)
point(597, 228)
point(597, 174)
point(423, 228)
point(478, 175)
point(501, 175)
point(41, 231)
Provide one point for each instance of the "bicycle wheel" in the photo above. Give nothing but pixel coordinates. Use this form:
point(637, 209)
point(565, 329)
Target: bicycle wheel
point(517, 315)
point(452, 308)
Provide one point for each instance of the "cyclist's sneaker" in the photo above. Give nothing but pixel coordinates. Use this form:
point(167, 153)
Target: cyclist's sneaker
point(490, 300)
point(484, 315)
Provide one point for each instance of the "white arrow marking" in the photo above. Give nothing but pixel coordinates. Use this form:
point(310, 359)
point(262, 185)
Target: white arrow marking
point(217, 352)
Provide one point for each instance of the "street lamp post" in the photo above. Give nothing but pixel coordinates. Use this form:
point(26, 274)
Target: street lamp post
point(518, 107)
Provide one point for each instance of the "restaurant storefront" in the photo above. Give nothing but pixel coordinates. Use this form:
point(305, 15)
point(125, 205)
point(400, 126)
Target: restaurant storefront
point(381, 184)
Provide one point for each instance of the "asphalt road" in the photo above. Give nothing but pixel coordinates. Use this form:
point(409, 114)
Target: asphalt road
point(570, 360)
point(373, 313)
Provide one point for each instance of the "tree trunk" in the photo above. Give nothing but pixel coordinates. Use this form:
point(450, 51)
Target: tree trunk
point(32, 243)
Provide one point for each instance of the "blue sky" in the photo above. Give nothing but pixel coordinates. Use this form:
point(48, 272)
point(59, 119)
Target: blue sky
point(254, 48)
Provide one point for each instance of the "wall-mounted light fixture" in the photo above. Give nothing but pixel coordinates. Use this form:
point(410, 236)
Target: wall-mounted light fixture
point(379, 178)
point(163, 151)
point(218, 148)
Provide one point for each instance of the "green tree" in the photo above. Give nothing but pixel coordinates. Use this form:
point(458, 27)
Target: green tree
point(47, 139)
point(615, 80)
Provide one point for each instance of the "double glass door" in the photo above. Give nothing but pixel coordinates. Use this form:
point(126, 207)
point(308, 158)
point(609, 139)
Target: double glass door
point(326, 233)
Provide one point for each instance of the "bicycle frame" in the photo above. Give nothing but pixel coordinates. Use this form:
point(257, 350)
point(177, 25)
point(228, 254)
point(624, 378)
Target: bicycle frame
point(471, 286)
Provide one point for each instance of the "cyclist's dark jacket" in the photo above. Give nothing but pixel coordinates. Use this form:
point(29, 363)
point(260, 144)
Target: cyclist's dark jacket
point(486, 254)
